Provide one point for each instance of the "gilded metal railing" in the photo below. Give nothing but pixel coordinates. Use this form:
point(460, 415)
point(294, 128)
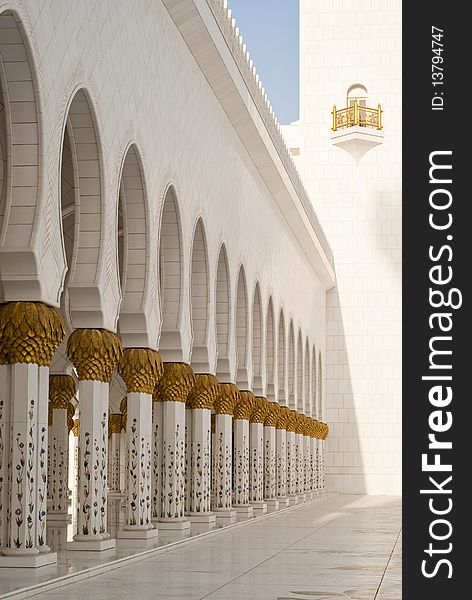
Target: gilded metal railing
point(356, 116)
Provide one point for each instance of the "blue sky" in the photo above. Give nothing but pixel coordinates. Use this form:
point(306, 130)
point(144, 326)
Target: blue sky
point(270, 31)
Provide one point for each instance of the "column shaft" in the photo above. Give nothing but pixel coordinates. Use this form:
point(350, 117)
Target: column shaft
point(281, 440)
point(291, 467)
point(92, 451)
point(223, 462)
point(138, 467)
point(241, 468)
point(59, 448)
point(23, 464)
point(200, 466)
point(114, 471)
point(270, 488)
point(173, 465)
point(300, 464)
point(156, 459)
point(307, 471)
point(256, 468)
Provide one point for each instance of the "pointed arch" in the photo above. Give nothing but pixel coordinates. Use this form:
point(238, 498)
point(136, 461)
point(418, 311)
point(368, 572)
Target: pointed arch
point(300, 404)
point(282, 361)
point(133, 251)
point(223, 315)
point(257, 341)
point(270, 351)
point(306, 382)
point(83, 220)
point(242, 330)
point(292, 402)
point(199, 297)
point(21, 156)
point(170, 277)
point(314, 395)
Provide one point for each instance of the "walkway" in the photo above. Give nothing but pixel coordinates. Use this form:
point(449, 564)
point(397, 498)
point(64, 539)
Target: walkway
point(339, 548)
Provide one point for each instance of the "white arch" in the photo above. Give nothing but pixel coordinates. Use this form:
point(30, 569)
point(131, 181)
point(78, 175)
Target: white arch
point(282, 361)
point(242, 331)
point(300, 405)
point(270, 352)
point(257, 341)
point(292, 400)
point(223, 316)
point(199, 296)
point(19, 105)
point(136, 324)
point(92, 283)
point(314, 395)
point(170, 278)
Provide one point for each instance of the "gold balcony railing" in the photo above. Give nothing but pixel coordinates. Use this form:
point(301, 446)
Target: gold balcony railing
point(356, 116)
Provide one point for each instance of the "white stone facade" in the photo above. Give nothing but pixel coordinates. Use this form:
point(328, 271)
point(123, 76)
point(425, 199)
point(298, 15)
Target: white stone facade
point(344, 43)
point(159, 132)
point(148, 200)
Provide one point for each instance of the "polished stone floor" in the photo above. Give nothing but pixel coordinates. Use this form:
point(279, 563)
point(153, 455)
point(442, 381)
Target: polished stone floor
point(336, 548)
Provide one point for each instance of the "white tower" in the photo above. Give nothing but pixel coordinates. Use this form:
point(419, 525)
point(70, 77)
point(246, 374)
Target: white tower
point(355, 45)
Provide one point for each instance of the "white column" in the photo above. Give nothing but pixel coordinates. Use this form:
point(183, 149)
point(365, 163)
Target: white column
point(223, 467)
point(138, 523)
point(291, 468)
point(256, 455)
point(95, 353)
point(114, 455)
point(256, 468)
point(200, 467)
point(270, 451)
point(281, 465)
point(241, 469)
point(4, 452)
point(173, 467)
point(308, 473)
point(321, 453)
point(222, 500)
point(92, 450)
point(59, 448)
point(213, 461)
point(188, 458)
point(24, 432)
point(270, 490)
point(156, 459)
point(300, 485)
point(314, 467)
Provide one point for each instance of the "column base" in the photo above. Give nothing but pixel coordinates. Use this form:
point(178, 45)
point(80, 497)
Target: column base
point(272, 504)
point(58, 517)
point(28, 561)
point(292, 500)
point(173, 525)
point(259, 508)
point(201, 517)
point(244, 512)
point(91, 545)
point(137, 534)
point(283, 502)
point(225, 516)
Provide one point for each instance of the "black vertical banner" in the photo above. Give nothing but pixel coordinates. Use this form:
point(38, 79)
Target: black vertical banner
point(437, 325)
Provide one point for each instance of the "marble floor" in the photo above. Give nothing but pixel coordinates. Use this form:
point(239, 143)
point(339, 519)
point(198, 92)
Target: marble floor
point(336, 548)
